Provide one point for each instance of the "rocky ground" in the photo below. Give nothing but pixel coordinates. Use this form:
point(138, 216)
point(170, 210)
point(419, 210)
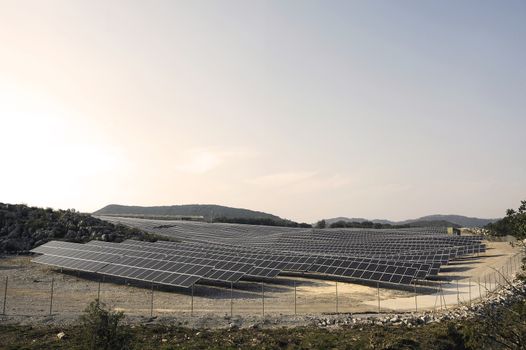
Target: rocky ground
point(499, 298)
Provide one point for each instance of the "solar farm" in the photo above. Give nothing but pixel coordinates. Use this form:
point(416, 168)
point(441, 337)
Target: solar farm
point(225, 254)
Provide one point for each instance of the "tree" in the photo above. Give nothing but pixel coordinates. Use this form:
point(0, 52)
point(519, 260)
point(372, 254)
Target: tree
point(321, 224)
point(102, 328)
point(338, 224)
point(514, 223)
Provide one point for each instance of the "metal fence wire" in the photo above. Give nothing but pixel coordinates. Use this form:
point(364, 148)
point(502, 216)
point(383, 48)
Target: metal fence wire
point(47, 292)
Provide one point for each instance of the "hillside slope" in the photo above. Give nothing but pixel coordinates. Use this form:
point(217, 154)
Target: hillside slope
point(461, 220)
point(429, 220)
point(207, 211)
point(23, 228)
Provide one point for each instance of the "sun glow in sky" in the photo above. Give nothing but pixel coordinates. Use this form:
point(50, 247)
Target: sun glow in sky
point(305, 109)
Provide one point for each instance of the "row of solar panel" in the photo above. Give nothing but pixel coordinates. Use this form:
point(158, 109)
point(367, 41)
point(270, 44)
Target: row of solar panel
point(129, 266)
point(228, 272)
point(204, 229)
point(362, 264)
point(228, 232)
point(396, 236)
point(424, 269)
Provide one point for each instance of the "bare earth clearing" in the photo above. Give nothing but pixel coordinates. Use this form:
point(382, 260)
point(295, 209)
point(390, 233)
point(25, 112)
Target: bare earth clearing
point(29, 295)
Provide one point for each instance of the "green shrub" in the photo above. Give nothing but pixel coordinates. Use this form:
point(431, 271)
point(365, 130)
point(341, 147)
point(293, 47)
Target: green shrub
point(103, 328)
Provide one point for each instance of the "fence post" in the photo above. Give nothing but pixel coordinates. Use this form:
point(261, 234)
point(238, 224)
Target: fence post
point(416, 295)
point(437, 298)
point(263, 298)
point(469, 281)
point(151, 302)
point(192, 302)
point(5, 293)
point(458, 295)
point(378, 288)
point(440, 295)
point(295, 303)
point(480, 287)
point(231, 300)
point(494, 281)
point(336, 296)
point(443, 297)
point(98, 293)
point(51, 296)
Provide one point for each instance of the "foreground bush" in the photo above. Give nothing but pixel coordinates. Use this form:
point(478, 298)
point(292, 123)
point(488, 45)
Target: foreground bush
point(102, 328)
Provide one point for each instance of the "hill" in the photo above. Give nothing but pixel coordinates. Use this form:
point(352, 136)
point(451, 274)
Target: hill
point(463, 221)
point(208, 212)
point(23, 228)
point(432, 223)
point(429, 220)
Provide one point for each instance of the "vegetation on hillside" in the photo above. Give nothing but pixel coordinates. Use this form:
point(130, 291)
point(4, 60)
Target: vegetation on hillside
point(427, 221)
point(377, 225)
point(513, 224)
point(23, 228)
point(207, 212)
point(364, 224)
point(262, 221)
point(499, 327)
point(321, 224)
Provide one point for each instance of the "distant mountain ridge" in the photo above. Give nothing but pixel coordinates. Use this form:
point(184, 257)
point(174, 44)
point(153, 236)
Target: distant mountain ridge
point(207, 211)
point(432, 220)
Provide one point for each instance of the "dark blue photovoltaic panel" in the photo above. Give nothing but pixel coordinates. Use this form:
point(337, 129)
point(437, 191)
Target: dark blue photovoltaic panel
point(230, 252)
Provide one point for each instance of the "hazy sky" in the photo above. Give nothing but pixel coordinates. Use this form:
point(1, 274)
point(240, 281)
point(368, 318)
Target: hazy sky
point(305, 109)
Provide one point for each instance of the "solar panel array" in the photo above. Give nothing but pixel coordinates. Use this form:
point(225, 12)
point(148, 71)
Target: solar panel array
point(228, 253)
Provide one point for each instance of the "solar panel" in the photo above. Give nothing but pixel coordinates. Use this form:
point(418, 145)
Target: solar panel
point(69, 263)
point(148, 275)
point(230, 252)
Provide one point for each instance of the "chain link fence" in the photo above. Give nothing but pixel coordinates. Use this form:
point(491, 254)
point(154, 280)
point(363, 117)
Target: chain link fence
point(32, 290)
